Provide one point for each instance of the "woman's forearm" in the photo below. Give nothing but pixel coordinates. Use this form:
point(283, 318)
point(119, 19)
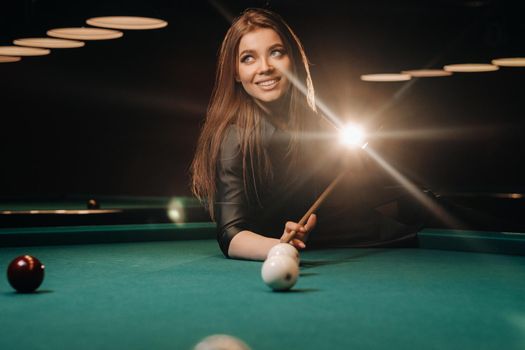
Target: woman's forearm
point(251, 246)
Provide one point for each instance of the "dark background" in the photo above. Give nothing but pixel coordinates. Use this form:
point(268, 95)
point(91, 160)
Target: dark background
point(121, 117)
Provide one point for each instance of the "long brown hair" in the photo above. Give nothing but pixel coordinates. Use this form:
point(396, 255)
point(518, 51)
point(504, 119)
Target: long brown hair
point(231, 105)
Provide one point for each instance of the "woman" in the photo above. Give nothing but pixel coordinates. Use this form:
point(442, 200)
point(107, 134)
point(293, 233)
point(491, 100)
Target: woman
point(253, 168)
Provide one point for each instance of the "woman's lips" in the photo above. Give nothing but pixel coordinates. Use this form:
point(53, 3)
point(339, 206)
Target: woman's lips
point(268, 84)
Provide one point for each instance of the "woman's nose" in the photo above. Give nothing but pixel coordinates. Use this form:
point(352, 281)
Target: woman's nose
point(265, 67)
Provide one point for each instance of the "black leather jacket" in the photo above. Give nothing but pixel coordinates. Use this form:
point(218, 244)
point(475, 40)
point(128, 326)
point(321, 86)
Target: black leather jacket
point(259, 207)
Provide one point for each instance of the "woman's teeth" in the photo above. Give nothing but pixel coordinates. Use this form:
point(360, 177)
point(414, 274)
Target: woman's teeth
point(268, 83)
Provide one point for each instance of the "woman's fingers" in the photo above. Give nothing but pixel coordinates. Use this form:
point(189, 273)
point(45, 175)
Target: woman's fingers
point(297, 243)
point(301, 232)
point(310, 224)
point(293, 226)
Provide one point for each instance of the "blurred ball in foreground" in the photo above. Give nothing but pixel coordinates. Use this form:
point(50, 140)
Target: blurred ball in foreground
point(221, 342)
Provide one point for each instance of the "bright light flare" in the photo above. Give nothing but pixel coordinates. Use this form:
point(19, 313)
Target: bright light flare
point(416, 193)
point(176, 212)
point(353, 136)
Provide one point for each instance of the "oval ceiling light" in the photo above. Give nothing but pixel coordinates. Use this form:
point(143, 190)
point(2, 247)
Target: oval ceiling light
point(7, 59)
point(84, 33)
point(127, 22)
point(387, 77)
point(22, 51)
point(471, 67)
point(50, 43)
point(427, 73)
point(509, 62)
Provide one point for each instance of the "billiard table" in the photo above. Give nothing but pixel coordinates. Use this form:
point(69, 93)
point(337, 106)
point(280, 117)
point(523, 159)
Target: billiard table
point(166, 285)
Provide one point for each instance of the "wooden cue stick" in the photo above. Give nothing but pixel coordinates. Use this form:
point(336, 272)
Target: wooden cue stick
point(287, 237)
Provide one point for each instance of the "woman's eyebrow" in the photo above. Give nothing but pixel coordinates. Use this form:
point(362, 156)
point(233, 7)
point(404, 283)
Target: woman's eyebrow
point(245, 52)
point(275, 46)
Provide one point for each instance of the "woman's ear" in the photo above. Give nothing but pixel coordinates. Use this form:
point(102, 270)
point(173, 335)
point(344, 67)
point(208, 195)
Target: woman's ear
point(237, 79)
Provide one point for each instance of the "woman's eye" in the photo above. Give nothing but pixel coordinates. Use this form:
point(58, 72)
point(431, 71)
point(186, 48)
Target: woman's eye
point(277, 53)
point(247, 59)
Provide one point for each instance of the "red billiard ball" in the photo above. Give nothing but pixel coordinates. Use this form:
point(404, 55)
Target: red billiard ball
point(93, 204)
point(25, 273)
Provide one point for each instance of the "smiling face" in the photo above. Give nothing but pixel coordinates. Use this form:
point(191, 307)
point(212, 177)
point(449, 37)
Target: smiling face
point(261, 60)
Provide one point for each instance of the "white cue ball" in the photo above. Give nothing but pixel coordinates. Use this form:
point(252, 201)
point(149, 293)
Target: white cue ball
point(221, 342)
point(280, 272)
point(284, 249)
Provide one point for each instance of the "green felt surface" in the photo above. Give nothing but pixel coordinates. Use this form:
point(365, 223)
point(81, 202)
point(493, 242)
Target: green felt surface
point(21, 236)
point(475, 241)
point(108, 228)
point(105, 202)
point(168, 295)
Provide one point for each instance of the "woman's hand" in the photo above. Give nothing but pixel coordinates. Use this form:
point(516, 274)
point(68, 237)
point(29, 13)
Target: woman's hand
point(302, 232)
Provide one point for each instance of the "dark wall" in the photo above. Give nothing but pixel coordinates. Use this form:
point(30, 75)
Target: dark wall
point(122, 116)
